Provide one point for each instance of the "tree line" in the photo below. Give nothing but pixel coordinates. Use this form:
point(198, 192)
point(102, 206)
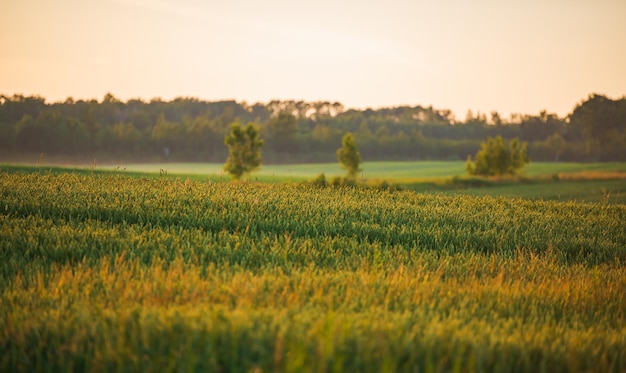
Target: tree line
point(189, 129)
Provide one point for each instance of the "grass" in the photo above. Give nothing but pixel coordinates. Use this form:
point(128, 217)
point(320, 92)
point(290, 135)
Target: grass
point(371, 170)
point(582, 182)
point(107, 272)
point(589, 191)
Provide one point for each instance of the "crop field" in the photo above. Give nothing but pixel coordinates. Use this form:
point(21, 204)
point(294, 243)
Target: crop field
point(108, 272)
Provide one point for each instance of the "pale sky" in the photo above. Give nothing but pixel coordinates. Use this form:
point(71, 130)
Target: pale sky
point(516, 56)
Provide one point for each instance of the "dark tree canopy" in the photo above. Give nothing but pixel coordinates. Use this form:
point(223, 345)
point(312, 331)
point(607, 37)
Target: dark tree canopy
point(602, 123)
point(283, 128)
point(296, 131)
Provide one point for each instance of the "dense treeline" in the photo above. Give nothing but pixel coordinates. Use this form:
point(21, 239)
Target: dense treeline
point(188, 129)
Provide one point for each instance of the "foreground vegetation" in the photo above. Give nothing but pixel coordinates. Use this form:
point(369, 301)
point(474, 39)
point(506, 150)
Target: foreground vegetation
point(107, 272)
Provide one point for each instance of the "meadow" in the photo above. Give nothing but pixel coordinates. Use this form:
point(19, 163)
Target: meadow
point(111, 272)
point(371, 170)
point(581, 182)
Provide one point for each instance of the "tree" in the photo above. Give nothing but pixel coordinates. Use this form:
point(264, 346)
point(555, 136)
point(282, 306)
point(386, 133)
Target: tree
point(496, 119)
point(602, 122)
point(31, 135)
point(244, 149)
point(165, 132)
point(283, 127)
point(556, 145)
point(600, 118)
point(349, 156)
point(496, 158)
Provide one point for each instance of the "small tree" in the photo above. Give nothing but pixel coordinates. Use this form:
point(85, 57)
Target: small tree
point(349, 156)
point(244, 149)
point(495, 158)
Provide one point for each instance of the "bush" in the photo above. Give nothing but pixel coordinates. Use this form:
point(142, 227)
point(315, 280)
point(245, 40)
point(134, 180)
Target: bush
point(496, 158)
point(339, 181)
point(320, 181)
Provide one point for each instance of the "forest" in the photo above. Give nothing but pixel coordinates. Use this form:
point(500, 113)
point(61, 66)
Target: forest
point(190, 129)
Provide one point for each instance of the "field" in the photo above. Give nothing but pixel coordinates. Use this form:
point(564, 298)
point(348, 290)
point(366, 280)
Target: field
point(589, 191)
point(371, 170)
point(580, 182)
point(108, 272)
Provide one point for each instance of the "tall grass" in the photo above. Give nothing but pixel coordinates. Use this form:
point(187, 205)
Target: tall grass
point(108, 272)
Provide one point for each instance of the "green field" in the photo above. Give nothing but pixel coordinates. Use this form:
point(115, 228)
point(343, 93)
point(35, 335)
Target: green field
point(581, 182)
point(371, 170)
point(299, 172)
point(108, 272)
point(590, 191)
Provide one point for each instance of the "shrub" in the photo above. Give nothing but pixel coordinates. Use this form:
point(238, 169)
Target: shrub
point(496, 158)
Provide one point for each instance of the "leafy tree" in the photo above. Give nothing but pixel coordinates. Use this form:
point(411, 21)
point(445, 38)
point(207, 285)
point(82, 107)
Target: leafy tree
point(556, 145)
point(109, 111)
point(141, 120)
point(203, 136)
point(284, 127)
point(495, 158)
point(349, 156)
point(244, 148)
point(533, 128)
point(120, 138)
point(30, 135)
point(602, 122)
point(166, 134)
point(600, 118)
point(496, 119)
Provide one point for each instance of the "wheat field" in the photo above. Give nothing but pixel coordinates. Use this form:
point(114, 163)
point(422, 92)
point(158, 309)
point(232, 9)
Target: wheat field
point(107, 272)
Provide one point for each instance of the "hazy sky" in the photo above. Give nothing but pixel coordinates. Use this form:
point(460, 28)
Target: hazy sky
point(517, 56)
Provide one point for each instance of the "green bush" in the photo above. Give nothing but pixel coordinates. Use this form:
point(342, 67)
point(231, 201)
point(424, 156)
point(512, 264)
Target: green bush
point(496, 158)
point(320, 181)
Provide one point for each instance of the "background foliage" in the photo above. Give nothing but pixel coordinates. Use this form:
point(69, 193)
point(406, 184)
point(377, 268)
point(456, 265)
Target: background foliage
point(297, 131)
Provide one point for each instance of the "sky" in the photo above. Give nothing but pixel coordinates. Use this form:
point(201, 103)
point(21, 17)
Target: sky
point(510, 56)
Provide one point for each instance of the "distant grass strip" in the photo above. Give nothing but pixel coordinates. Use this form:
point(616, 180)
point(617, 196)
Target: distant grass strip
point(593, 186)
